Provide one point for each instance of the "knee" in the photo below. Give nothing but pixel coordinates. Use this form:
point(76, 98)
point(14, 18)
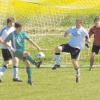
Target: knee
point(92, 56)
point(8, 63)
point(58, 49)
point(26, 54)
point(27, 63)
point(75, 63)
point(16, 61)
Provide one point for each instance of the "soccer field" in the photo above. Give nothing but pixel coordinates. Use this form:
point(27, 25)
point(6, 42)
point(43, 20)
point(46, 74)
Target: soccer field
point(52, 85)
point(46, 21)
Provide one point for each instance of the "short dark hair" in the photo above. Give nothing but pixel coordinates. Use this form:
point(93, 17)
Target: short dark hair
point(97, 18)
point(17, 25)
point(10, 19)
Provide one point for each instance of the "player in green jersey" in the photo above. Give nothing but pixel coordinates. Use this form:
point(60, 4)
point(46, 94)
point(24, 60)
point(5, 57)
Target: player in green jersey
point(17, 39)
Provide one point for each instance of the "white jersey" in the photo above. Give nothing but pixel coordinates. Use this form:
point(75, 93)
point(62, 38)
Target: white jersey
point(78, 37)
point(5, 32)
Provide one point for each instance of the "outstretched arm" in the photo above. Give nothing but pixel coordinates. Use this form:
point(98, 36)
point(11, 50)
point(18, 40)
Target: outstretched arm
point(33, 43)
point(66, 34)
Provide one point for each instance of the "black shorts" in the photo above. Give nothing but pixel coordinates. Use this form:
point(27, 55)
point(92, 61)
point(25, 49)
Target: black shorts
point(6, 54)
point(73, 51)
point(95, 49)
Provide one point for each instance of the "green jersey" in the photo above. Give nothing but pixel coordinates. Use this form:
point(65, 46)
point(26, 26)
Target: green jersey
point(18, 42)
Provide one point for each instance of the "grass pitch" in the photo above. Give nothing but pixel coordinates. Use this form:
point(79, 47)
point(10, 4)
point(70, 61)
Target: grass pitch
point(52, 85)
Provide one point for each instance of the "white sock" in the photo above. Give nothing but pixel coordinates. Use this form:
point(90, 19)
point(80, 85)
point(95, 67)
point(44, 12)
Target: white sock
point(3, 70)
point(1, 74)
point(15, 72)
point(57, 59)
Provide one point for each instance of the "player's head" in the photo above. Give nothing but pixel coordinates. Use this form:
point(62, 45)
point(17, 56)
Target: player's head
point(10, 21)
point(79, 22)
point(18, 27)
point(97, 21)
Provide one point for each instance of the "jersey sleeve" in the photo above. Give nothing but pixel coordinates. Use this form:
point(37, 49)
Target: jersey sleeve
point(26, 36)
point(3, 35)
point(9, 38)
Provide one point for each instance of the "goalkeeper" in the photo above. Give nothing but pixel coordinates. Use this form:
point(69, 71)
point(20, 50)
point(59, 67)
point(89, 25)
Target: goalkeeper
point(17, 39)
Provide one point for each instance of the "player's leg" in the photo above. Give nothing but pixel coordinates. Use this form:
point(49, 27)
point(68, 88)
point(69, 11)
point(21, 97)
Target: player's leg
point(95, 50)
point(92, 60)
point(29, 71)
point(15, 70)
point(75, 55)
point(58, 50)
point(3, 69)
point(28, 57)
point(7, 62)
point(77, 69)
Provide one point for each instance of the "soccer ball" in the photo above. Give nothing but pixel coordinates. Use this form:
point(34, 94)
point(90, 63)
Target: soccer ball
point(40, 55)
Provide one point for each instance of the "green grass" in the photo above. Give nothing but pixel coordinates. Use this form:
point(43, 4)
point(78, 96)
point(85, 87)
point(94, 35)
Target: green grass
point(52, 85)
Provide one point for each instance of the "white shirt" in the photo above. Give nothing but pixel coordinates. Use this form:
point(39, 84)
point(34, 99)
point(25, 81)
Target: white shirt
point(5, 32)
point(78, 37)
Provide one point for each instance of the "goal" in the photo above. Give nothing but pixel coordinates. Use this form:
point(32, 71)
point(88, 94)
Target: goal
point(47, 20)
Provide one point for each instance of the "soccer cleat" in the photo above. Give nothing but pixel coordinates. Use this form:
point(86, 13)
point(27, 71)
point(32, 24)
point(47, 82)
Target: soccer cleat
point(55, 67)
point(30, 82)
point(38, 64)
point(17, 80)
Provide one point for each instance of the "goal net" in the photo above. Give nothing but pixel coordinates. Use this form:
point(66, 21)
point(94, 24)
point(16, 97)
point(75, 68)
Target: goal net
point(47, 20)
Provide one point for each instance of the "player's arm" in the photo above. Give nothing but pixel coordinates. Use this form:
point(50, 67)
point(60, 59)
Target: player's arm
point(87, 39)
point(33, 43)
point(4, 43)
point(3, 37)
point(67, 32)
point(88, 36)
point(30, 41)
point(91, 32)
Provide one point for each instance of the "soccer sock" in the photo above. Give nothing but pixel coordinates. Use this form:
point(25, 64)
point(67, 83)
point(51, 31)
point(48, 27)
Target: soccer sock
point(29, 73)
point(91, 62)
point(31, 59)
point(15, 72)
point(3, 70)
point(77, 72)
point(57, 57)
